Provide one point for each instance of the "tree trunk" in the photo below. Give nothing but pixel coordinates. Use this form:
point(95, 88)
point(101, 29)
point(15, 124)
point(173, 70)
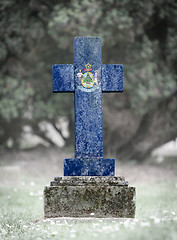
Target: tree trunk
point(155, 128)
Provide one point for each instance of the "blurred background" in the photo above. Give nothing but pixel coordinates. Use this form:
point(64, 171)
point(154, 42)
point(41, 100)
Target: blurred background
point(37, 126)
point(141, 35)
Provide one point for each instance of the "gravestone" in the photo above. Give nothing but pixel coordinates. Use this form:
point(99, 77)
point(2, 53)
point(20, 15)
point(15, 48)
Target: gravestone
point(88, 187)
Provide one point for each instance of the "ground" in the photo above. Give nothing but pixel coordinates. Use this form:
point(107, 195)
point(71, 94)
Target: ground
point(23, 176)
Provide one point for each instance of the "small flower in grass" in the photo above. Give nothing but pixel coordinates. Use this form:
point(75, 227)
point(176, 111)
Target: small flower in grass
point(73, 235)
point(156, 220)
point(3, 231)
point(136, 220)
point(173, 213)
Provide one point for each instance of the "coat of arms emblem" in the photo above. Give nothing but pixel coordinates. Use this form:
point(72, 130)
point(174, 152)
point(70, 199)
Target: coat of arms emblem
point(88, 78)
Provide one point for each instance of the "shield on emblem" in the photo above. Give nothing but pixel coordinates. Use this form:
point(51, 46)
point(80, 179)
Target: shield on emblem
point(88, 80)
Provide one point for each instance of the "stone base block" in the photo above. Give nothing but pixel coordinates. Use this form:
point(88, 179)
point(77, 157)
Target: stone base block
point(89, 167)
point(89, 197)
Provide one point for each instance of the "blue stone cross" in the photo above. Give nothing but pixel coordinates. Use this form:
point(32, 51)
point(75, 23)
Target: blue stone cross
point(87, 78)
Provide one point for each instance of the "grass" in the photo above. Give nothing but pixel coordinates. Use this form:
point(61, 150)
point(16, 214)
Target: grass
point(21, 216)
point(21, 206)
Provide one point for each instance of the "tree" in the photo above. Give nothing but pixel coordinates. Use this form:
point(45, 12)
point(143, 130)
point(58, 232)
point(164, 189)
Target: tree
point(141, 35)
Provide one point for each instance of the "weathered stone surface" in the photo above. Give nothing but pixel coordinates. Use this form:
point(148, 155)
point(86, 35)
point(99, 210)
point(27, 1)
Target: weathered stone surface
point(88, 101)
point(73, 220)
point(66, 72)
point(112, 78)
point(84, 181)
point(89, 197)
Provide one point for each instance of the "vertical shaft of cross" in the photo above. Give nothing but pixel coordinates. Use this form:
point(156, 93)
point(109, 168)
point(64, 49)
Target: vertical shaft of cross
point(88, 104)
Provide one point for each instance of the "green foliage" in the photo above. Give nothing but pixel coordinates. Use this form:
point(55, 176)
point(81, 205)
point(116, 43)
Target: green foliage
point(36, 34)
point(15, 95)
point(124, 27)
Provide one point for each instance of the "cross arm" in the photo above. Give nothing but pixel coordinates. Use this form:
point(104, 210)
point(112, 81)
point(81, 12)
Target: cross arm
point(112, 78)
point(63, 78)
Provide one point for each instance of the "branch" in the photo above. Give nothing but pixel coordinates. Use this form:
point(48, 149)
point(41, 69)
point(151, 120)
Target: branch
point(59, 131)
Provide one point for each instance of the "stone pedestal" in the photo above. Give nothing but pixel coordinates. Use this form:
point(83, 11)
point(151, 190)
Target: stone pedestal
point(89, 196)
